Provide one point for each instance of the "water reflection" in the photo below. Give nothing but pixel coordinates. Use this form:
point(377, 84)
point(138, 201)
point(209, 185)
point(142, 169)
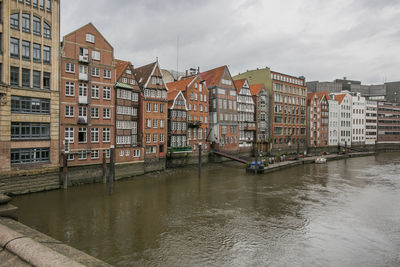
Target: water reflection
point(339, 214)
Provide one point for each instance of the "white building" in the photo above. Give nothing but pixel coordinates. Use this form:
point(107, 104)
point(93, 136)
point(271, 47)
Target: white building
point(344, 117)
point(358, 119)
point(371, 122)
point(333, 122)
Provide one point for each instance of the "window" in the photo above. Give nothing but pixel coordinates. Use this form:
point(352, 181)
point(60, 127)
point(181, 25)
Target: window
point(155, 138)
point(69, 88)
point(46, 54)
point(136, 153)
point(155, 123)
point(106, 113)
point(94, 112)
point(95, 91)
point(35, 3)
point(162, 138)
point(82, 89)
point(94, 135)
point(29, 155)
point(135, 97)
point(155, 107)
point(27, 105)
point(14, 21)
point(151, 149)
point(107, 93)
point(48, 5)
point(26, 50)
point(69, 111)
point(69, 135)
point(82, 155)
point(107, 74)
point(26, 22)
point(82, 135)
point(95, 55)
point(148, 138)
point(36, 79)
point(41, 4)
point(82, 112)
point(94, 154)
point(162, 124)
point(148, 123)
point(37, 26)
point(26, 78)
point(46, 80)
point(70, 67)
point(14, 47)
point(106, 134)
point(89, 38)
point(46, 30)
point(161, 108)
point(96, 72)
point(30, 131)
point(148, 107)
point(37, 53)
point(14, 76)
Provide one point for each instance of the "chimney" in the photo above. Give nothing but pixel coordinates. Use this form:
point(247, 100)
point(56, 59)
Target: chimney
point(187, 73)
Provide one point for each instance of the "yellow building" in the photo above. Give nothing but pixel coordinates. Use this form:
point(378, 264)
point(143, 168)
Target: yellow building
point(29, 85)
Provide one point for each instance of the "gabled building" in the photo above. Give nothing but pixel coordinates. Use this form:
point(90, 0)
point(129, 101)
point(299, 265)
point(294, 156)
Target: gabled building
point(344, 117)
point(87, 96)
point(177, 122)
point(318, 119)
point(246, 113)
point(261, 101)
point(29, 85)
point(358, 116)
point(224, 135)
point(154, 110)
point(333, 122)
point(195, 91)
point(128, 143)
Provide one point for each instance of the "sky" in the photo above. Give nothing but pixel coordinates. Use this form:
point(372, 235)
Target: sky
point(319, 39)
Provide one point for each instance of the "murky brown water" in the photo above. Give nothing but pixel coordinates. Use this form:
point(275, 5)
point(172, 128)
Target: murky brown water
point(344, 213)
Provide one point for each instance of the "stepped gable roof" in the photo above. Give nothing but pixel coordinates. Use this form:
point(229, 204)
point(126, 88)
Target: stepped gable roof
point(181, 84)
point(212, 77)
point(143, 73)
point(121, 66)
point(256, 88)
point(239, 84)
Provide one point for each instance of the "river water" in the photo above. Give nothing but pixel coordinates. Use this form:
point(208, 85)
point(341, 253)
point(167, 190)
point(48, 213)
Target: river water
point(343, 213)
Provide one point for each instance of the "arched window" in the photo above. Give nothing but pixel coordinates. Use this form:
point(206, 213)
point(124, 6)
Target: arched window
point(46, 30)
point(14, 21)
point(37, 26)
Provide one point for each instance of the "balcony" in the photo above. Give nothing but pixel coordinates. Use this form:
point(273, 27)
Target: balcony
point(84, 59)
point(250, 127)
point(83, 77)
point(82, 120)
point(83, 100)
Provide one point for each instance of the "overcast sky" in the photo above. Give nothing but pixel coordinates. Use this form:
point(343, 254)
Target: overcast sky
point(319, 39)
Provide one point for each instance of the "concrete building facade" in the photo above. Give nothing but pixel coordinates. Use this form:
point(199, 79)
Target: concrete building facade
point(358, 117)
point(345, 119)
point(388, 122)
point(29, 85)
point(371, 122)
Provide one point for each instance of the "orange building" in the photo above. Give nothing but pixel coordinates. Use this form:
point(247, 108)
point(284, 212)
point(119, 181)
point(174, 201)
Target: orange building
point(128, 147)
point(87, 97)
point(223, 114)
point(318, 119)
point(195, 91)
point(154, 110)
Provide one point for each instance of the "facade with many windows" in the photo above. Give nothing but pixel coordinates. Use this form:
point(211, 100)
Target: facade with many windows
point(29, 84)
point(333, 122)
point(358, 116)
point(262, 111)
point(318, 119)
point(371, 122)
point(344, 117)
point(87, 97)
point(388, 122)
point(177, 121)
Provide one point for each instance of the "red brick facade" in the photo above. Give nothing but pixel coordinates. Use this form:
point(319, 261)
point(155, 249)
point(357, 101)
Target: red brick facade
point(318, 119)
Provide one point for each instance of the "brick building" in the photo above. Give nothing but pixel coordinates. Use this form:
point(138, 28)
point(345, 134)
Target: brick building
point(388, 122)
point(29, 85)
point(177, 121)
point(154, 110)
point(195, 91)
point(262, 108)
point(289, 111)
point(246, 114)
point(224, 134)
point(87, 96)
point(318, 119)
point(128, 143)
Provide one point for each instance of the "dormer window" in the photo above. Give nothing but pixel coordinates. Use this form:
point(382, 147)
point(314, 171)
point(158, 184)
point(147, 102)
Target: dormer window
point(128, 71)
point(90, 38)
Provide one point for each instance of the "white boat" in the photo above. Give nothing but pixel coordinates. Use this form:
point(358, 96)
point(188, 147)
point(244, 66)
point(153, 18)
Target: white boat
point(320, 160)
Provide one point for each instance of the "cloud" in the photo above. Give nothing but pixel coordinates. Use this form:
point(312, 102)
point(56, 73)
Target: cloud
point(321, 40)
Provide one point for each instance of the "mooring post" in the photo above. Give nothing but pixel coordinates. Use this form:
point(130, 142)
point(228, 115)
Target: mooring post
point(104, 167)
point(298, 151)
point(111, 174)
point(65, 171)
point(199, 160)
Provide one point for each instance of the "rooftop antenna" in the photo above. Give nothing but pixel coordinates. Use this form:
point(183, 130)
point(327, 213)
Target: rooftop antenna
point(177, 55)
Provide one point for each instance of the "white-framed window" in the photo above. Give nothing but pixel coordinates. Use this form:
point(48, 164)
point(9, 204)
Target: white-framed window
point(96, 55)
point(136, 153)
point(94, 113)
point(162, 124)
point(69, 88)
point(70, 157)
point(106, 135)
point(148, 123)
point(94, 135)
point(155, 138)
point(95, 91)
point(82, 89)
point(107, 74)
point(132, 81)
point(155, 123)
point(95, 72)
point(69, 111)
point(82, 135)
point(82, 155)
point(162, 138)
point(106, 93)
point(155, 107)
point(148, 140)
point(70, 67)
point(124, 80)
point(82, 111)
point(83, 69)
point(106, 113)
point(135, 97)
point(121, 152)
point(90, 38)
point(69, 134)
point(127, 153)
point(94, 154)
point(107, 152)
point(148, 107)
